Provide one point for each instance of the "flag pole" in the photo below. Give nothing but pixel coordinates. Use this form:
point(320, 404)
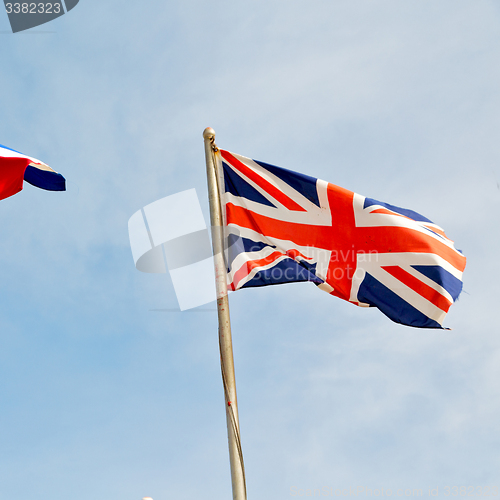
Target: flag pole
point(225, 341)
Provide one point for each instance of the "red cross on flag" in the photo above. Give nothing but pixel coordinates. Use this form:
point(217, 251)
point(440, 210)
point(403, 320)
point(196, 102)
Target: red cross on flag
point(282, 227)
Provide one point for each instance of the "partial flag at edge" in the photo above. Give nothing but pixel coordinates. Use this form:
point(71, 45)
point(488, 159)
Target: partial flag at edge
point(15, 168)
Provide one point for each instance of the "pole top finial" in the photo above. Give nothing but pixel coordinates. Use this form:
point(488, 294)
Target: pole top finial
point(208, 133)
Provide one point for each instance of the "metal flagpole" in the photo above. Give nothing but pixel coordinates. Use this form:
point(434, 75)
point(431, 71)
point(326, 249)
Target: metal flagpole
point(225, 341)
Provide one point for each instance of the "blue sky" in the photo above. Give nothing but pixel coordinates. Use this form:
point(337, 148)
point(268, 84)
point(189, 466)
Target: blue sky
point(103, 398)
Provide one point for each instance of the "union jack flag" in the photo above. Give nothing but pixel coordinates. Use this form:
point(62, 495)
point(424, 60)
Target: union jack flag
point(282, 227)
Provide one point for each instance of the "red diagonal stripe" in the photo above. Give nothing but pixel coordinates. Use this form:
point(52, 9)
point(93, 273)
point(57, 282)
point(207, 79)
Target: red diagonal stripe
point(247, 267)
point(418, 286)
point(261, 182)
point(388, 212)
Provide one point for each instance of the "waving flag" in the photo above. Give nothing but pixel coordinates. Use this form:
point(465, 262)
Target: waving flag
point(284, 227)
point(16, 167)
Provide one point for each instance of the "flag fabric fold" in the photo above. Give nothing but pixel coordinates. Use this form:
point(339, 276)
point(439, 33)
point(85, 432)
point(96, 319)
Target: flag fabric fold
point(15, 168)
point(282, 227)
